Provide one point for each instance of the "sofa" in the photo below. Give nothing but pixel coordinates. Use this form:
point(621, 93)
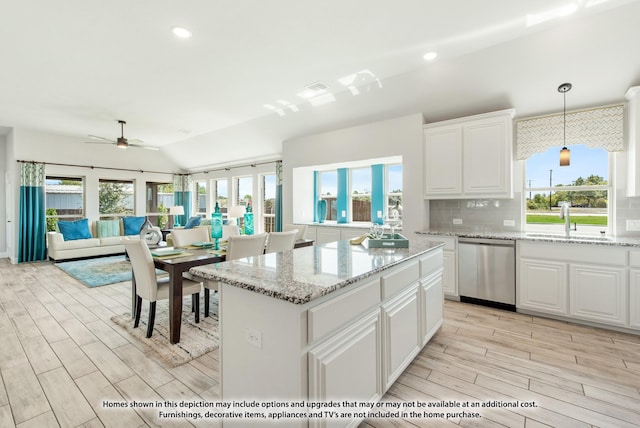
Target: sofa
point(74, 240)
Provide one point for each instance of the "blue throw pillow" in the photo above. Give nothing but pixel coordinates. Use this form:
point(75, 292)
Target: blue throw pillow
point(193, 222)
point(72, 230)
point(132, 225)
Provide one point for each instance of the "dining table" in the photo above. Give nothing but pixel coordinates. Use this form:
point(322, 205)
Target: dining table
point(177, 264)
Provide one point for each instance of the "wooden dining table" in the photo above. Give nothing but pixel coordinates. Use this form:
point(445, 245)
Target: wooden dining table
point(175, 267)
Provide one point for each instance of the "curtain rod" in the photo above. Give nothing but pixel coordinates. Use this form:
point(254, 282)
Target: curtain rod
point(101, 167)
point(229, 168)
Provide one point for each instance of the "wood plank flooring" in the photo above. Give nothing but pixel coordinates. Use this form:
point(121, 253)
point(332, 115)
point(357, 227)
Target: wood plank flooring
point(60, 357)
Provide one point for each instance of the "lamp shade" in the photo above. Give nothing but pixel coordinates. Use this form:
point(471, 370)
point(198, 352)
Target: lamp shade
point(176, 210)
point(236, 211)
point(565, 156)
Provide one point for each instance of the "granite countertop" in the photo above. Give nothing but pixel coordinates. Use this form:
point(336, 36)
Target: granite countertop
point(304, 274)
point(544, 237)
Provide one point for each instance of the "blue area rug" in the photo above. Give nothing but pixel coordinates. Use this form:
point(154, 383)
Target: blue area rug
point(98, 271)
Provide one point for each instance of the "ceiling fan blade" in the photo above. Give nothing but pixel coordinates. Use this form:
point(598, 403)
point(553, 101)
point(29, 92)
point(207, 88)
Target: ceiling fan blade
point(139, 146)
point(95, 137)
point(99, 142)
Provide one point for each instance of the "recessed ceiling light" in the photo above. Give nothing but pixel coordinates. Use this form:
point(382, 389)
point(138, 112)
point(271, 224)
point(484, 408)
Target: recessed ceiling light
point(430, 56)
point(181, 32)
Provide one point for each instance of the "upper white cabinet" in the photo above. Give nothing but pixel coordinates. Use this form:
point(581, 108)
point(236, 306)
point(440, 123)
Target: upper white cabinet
point(470, 157)
point(633, 135)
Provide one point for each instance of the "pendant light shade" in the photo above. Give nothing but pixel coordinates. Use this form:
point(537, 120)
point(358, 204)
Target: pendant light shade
point(565, 154)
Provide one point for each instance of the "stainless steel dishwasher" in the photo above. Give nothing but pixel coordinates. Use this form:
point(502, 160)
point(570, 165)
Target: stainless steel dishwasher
point(486, 272)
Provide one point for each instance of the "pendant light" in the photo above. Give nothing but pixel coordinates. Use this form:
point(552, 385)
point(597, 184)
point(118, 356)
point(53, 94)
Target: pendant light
point(565, 154)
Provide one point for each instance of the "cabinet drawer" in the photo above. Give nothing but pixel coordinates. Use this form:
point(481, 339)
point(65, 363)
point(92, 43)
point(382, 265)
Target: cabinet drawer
point(332, 314)
point(431, 263)
point(398, 280)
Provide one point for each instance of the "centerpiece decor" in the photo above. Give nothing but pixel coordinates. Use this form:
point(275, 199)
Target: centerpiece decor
point(216, 225)
point(248, 221)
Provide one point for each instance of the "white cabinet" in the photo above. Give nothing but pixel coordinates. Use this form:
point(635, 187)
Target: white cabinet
point(432, 310)
point(633, 138)
point(332, 233)
point(577, 281)
point(327, 234)
point(470, 157)
point(542, 286)
point(450, 264)
point(400, 333)
point(634, 298)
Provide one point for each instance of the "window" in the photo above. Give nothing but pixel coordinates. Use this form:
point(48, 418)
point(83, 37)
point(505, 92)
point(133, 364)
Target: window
point(64, 200)
point(200, 199)
point(115, 198)
point(328, 183)
point(393, 189)
point(159, 197)
point(268, 186)
point(244, 190)
point(585, 185)
point(220, 195)
point(361, 194)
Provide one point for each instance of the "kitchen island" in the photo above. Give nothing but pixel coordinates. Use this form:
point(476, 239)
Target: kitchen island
point(329, 322)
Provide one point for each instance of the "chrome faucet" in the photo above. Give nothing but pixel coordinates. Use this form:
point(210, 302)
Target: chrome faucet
point(564, 213)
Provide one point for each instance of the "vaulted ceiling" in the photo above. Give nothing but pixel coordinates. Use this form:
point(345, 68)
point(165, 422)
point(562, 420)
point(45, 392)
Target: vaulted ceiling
point(229, 92)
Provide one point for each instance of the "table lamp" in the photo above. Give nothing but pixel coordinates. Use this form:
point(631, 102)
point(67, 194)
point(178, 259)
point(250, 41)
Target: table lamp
point(236, 211)
point(175, 211)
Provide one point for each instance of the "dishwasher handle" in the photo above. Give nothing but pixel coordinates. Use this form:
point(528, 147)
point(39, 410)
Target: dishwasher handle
point(488, 241)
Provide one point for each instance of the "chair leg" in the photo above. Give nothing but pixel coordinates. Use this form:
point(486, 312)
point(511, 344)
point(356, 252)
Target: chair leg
point(206, 302)
point(152, 318)
point(137, 311)
point(196, 304)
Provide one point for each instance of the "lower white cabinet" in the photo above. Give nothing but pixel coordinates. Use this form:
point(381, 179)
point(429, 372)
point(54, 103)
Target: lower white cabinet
point(327, 234)
point(332, 233)
point(433, 310)
point(634, 298)
point(400, 333)
point(543, 286)
point(449, 264)
point(598, 293)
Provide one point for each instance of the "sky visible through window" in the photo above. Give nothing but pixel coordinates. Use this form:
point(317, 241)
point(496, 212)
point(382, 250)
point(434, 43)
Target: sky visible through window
point(584, 162)
point(329, 180)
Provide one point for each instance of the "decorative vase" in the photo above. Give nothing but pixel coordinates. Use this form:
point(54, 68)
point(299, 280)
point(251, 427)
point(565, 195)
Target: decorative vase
point(216, 224)
point(321, 210)
point(248, 221)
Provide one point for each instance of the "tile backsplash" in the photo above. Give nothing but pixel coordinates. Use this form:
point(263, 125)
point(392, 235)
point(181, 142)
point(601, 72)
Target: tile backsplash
point(477, 215)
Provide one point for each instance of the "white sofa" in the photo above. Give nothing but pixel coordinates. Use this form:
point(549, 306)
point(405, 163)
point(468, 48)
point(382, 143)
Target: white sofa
point(59, 249)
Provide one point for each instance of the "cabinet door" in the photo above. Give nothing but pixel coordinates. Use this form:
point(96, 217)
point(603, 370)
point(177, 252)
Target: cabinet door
point(326, 234)
point(349, 233)
point(443, 166)
point(450, 274)
point(432, 306)
point(634, 298)
point(487, 158)
point(400, 333)
point(598, 293)
point(347, 366)
point(542, 286)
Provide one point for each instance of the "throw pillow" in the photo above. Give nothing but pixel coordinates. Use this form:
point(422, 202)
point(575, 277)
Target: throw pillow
point(107, 228)
point(193, 222)
point(205, 222)
point(132, 225)
point(72, 230)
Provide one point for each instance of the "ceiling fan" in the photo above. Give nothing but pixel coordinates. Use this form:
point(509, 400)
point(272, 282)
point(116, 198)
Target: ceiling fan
point(121, 142)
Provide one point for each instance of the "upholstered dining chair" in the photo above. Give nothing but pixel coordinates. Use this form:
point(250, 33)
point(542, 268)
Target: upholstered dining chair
point(230, 230)
point(237, 247)
point(152, 288)
point(186, 237)
point(281, 241)
point(301, 228)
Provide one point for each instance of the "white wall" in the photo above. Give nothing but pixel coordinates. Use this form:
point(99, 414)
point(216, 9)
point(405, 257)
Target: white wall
point(30, 145)
point(401, 136)
point(3, 200)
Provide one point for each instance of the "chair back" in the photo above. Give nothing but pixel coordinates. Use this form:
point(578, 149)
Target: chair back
point(245, 246)
point(186, 237)
point(143, 268)
point(230, 230)
point(281, 241)
point(301, 228)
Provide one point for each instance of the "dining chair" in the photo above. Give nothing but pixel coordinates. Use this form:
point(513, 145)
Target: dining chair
point(152, 288)
point(281, 241)
point(230, 230)
point(237, 247)
point(301, 228)
point(186, 237)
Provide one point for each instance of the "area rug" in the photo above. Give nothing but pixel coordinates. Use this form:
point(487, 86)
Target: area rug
point(195, 339)
point(98, 271)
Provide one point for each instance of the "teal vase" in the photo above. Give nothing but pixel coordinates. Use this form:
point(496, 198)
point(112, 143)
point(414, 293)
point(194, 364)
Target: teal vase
point(321, 210)
point(216, 224)
point(248, 221)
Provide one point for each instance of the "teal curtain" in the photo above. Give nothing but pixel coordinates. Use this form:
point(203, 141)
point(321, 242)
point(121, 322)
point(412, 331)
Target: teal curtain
point(278, 207)
point(182, 196)
point(343, 195)
point(33, 226)
point(377, 194)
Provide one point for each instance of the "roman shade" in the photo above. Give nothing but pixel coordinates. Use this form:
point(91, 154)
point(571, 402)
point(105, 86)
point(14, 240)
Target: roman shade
point(596, 127)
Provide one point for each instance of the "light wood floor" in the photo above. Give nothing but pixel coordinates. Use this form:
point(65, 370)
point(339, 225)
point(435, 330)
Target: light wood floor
point(60, 357)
